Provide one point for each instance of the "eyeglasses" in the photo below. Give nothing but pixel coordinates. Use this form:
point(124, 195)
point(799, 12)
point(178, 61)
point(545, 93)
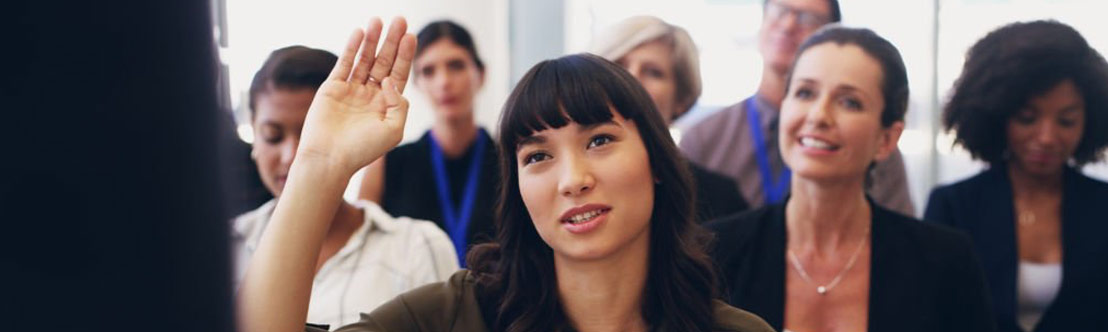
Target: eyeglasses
point(776, 11)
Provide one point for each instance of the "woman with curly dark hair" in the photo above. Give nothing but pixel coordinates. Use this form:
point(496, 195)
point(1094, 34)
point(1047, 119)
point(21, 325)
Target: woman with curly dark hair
point(595, 232)
point(1032, 102)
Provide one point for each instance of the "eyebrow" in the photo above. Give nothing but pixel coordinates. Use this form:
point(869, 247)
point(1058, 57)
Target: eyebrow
point(612, 121)
point(536, 139)
point(530, 140)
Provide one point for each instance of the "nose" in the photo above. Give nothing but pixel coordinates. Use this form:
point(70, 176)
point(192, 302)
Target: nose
point(577, 178)
point(819, 113)
point(288, 150)
point(789, 21)
point(442, 80)
point(1046, 133)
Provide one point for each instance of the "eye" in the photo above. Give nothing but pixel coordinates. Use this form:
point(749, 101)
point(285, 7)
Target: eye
point(600, 140)
point(803, 93)
point(654, 72)
point(1024, 118)
point(271, 135)
point(1067, 123)
point(427, 71)
point(851, 103)
point(535, 157)
point(456, 65)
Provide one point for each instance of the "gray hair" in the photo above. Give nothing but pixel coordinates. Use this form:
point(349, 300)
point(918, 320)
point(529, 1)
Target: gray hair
point(619, 39)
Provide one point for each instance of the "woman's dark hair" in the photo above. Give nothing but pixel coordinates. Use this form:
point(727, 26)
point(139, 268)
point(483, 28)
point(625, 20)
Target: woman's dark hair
point(291, 68)
point(455, 33)
point(894, 78)
point(519, 266)
point(1015, 63)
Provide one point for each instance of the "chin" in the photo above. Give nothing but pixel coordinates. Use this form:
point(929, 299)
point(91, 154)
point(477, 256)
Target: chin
point(584, 252)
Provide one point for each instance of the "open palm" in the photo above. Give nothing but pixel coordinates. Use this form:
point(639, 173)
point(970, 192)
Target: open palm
point(358, 114)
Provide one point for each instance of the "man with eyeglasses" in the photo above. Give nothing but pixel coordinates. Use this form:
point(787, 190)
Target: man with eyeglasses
point(740, 141)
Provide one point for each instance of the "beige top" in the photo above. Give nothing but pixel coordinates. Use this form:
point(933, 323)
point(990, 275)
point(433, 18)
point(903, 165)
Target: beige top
point(722, 142)
point(452, 306)
point(386, 256)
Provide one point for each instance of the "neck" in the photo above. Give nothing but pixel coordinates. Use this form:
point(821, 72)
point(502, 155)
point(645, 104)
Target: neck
point(347, 219)
point(825, 217)
point(454, 137)
point(1029, 184)
point(604, 295)
point(772, 86)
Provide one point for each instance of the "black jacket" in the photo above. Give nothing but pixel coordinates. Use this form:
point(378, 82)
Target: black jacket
point(982, 207)
point(716, 194)
point(922, 277)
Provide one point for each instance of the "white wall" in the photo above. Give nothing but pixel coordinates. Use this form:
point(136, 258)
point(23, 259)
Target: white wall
point(257, 27)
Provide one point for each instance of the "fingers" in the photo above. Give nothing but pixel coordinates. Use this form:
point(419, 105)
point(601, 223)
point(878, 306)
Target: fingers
point(369, 48)
point(346, 61)
point(396, 109)
point(402, 68)
point(387, 56)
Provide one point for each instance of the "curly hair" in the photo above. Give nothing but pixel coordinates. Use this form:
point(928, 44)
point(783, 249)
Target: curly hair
point(1015, 63)
point(517, 271)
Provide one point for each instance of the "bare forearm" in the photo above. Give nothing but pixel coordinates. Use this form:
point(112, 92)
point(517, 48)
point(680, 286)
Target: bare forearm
point(278, 284)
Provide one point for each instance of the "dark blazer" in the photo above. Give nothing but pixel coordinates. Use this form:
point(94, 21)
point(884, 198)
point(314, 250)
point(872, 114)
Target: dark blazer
point(982, 207)
point(716, 194)
point(410, 189)
point(922, 277)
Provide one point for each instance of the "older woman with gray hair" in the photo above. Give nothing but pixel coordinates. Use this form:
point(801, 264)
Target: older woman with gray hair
point(665, 61)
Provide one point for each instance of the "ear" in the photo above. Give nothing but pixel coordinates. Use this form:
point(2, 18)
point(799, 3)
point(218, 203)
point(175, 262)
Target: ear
point(888, 139)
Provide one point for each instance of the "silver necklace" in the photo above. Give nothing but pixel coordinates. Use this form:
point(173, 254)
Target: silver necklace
point(823, 289)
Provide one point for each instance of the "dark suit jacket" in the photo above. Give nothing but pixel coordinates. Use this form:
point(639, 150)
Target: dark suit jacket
point(982, 207)
point(922, 277)
point(716, 194)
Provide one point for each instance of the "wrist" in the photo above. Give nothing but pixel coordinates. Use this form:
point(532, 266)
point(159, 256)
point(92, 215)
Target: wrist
point(320, 164)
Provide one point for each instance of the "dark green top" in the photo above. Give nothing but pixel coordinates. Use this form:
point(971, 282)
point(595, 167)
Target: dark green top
point(452, 306)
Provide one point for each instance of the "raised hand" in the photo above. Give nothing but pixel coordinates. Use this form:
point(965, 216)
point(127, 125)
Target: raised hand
point(358, 114)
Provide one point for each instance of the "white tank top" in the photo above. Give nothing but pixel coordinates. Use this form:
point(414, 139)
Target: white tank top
point(1038, 285)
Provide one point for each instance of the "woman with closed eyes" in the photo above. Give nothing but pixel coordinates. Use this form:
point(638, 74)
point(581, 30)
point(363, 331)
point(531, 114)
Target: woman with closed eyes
point(1032, 102)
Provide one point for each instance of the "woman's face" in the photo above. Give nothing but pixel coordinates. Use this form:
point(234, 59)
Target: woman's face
point(278, 119)
point(448, 75)
point(589, 189)
point(1045, 133)
point(831, 116)
point(652, 64)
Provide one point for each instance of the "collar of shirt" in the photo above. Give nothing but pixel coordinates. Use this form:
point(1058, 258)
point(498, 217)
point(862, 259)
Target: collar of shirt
point(250, 226)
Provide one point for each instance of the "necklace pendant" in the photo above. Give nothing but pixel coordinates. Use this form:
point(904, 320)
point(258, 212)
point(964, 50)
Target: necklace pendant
point(821, 290)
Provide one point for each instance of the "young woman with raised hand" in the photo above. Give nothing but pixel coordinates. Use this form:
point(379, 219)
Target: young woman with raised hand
point(595, 221)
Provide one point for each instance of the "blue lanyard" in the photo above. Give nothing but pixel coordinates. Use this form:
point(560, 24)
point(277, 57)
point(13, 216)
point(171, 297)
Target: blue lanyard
point(775, 190)
point(457, 220)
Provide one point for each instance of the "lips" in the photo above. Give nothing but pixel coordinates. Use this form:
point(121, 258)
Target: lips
point(448, 100)
point(817, 143)
point(584, 218)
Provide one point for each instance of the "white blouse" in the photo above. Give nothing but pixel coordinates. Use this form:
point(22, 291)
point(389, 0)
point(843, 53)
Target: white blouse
point(385, 257)
point(1038, 285)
